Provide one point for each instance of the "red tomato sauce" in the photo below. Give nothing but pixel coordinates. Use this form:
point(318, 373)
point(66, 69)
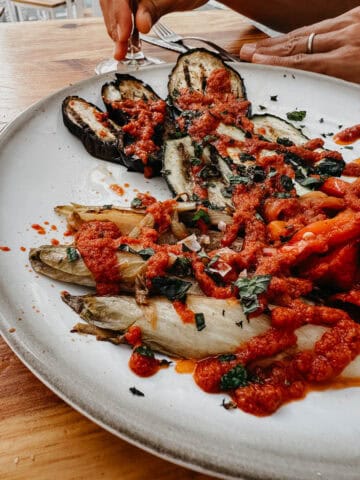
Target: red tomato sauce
point(184, 312)
point(352, 169)
point(5, 249)
point(97, 246)
point(118, 189)
point(144, 118)
point(40, 230)
point(348, 135)
point(143, 365)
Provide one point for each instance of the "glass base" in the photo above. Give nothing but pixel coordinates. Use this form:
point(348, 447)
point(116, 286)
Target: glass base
point(126, 65)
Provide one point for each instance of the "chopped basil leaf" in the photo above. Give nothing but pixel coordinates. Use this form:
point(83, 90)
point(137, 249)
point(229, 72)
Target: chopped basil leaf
point(194, 197)
point(209, 171)
point(195, 161)
point(331, 167)
point(282, 195)
point(175, 92)
point(311, 182)
point(286, 182)
point(136, 203)
point(171, 288)
point(296, 115)
point(349, 147)
point(246, 156)
point(136, 392)
point(72, 254)
point(262, 107)
point(239, 324)
point(234, 378)
point(200, 321)
point(249, 289)
point(284, 141)
point(106, 207)
point(145, 351)
point(201, 215)
point(321, 120)
point(236, 179)
point(228, 357)
point(146, 253)
point(274, 98)
point(214, 259)
point(198, 150)
point(181, 267)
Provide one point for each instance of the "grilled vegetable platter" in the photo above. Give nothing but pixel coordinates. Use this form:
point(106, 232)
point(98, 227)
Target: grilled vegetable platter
point(251, 271)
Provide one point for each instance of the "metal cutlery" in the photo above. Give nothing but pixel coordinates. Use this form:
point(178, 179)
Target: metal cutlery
point(161, 43)
point(164, 32)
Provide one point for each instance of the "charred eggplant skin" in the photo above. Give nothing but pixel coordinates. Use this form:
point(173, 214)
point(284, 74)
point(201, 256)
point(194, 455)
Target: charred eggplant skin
point(127, 87)
point(200, 56)
point(93, 143)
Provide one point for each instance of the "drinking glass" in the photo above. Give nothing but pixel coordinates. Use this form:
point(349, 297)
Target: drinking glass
point(135, 57)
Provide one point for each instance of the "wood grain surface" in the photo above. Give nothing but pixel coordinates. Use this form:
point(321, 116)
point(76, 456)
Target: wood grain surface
point(41, 437)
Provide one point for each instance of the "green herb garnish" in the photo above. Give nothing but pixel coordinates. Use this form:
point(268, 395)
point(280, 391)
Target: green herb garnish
point(296, 115)
point(171, 288)
point(331, 167)
point(145, 351)
point(249, 289)
point(201, 215)
point(311, 182)
point(145, 253)
point(228, 357)
point(234, 378)
point(136, 203)
point(274, 98)
point(72, 254)
point(195, 161)
point(286, 182)
point(284, 141)
point(200, 321)
point(136, 392)
point(237, 179)
point(181, 267)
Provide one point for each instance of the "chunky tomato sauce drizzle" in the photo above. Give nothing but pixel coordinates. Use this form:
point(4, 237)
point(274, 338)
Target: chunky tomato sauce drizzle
point(144, 117)
point(302, 244)
point(348, 136)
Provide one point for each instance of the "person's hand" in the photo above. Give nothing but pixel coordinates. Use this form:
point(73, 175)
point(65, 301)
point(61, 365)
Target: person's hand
point(335, 48)
point(118, 18)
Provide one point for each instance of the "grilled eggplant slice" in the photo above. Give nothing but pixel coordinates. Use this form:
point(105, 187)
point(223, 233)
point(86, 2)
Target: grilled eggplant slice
point(125, 87)
point(101, 137)
point(128, 88)
point(274, 128)
point(178, 154)
point(192, 71)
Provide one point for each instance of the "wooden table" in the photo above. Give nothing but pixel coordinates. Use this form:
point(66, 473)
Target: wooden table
point(41, 436)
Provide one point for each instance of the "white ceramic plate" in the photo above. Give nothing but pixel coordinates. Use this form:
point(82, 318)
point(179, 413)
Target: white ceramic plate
point(43, 165)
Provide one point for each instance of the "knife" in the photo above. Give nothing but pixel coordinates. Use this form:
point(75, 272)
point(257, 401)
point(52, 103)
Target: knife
point(161, 43)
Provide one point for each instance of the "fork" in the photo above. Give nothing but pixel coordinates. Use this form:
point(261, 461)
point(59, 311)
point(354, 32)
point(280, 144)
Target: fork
point(164, 32)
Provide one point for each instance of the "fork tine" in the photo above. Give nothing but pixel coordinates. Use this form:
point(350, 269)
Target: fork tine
point(159, 30)
point(166, 29)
